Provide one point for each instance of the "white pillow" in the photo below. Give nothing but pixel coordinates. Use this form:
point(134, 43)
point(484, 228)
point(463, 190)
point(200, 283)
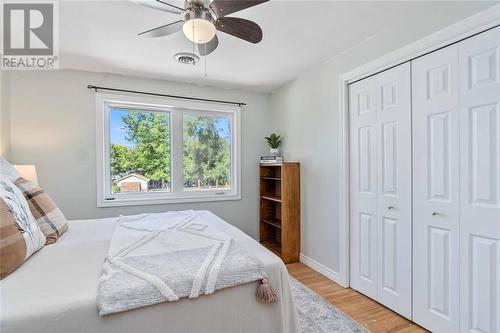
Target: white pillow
point(17, 204)
point(7, 171)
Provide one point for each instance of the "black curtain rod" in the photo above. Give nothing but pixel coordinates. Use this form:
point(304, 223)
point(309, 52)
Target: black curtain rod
point(164, 95)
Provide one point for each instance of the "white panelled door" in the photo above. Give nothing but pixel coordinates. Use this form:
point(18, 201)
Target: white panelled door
point(435, 123)
point(480, 182)
point(394, 250)
point(380, 196)
point(363, 186)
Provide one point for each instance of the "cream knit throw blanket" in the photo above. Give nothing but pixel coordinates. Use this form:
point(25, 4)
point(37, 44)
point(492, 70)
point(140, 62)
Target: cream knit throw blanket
point(155, 258)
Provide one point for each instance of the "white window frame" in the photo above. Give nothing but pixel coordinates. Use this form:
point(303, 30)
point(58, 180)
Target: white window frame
point(176, 108)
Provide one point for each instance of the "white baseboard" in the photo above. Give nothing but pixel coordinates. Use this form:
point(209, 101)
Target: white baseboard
point(328, 272)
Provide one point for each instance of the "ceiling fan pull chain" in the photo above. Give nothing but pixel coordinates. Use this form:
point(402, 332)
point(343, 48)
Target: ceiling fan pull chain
point(205, 59)
point(194, 62)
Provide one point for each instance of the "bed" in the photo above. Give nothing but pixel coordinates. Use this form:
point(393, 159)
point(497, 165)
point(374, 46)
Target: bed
point(55, 291)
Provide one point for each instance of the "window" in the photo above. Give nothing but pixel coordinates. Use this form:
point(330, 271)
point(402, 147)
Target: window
point(139, 150)
point(207, 152)
point(158, 150)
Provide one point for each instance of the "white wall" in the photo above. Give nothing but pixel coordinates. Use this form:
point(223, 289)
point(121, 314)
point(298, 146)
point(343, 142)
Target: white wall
point(4, 114)
point(53, 125)
point(306, 113)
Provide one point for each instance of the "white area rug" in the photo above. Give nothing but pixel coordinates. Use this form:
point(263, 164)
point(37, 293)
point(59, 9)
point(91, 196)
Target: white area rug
point(316, 315)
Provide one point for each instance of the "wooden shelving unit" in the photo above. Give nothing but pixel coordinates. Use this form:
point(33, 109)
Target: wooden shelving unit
point(280, 209)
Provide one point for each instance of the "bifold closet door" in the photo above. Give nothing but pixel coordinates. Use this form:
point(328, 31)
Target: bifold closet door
point(456, 136)
point(363, 186)
point(436, 190)
point(380, 187)
point(479, 61)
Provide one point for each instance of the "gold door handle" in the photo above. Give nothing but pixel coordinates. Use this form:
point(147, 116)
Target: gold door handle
point(391, 207)
point(435, 213)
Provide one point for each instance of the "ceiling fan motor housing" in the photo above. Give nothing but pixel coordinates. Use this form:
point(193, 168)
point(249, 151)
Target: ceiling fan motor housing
point(200, 13)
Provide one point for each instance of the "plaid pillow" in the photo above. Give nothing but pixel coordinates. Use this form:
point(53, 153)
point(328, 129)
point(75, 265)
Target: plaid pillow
point(48, 216)
point(20, 235)
point(13, 249)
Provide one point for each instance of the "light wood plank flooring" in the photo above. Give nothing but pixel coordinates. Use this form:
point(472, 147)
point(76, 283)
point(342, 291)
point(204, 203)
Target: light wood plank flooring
point(373, 316)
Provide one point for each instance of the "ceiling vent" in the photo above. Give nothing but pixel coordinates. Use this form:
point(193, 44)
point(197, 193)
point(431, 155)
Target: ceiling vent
point(187, 58)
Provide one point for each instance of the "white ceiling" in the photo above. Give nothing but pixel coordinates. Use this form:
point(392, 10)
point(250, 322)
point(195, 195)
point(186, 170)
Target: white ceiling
point(102, 36)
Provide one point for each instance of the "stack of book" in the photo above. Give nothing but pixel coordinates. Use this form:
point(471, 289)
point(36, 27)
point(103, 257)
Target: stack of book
point(270, 159)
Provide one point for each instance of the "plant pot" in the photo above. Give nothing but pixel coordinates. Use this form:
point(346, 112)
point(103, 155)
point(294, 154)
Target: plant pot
point(274, 151)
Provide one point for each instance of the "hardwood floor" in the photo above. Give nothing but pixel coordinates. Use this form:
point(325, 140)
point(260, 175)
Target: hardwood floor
point(373, 316)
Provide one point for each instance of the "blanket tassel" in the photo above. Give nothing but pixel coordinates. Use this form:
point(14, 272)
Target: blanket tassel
point(266, 293)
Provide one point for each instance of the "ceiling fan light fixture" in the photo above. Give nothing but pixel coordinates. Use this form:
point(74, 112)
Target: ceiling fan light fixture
point(199, 27)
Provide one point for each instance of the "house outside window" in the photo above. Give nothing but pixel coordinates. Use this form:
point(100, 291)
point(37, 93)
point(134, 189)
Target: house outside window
point(160, 150)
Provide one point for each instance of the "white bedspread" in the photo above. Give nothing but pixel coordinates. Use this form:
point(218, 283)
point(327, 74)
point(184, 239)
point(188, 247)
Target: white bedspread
point(55, 291)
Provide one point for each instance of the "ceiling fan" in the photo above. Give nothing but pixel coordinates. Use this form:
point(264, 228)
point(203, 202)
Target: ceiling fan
point(202, 18)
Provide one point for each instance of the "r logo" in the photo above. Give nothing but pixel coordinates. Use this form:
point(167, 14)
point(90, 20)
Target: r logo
point(28, 29)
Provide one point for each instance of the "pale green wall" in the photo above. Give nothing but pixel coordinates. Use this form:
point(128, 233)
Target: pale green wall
point(53, 125)
point(306, 113)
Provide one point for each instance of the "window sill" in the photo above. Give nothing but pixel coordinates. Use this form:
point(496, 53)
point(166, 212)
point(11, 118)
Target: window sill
point(158, 201)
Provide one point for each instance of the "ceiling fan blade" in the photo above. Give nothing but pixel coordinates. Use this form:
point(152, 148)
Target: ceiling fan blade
point(164, 30)
point(170, 5)
point(160, 5)
point(207, 48)
point(225, 7)
point(241, 28)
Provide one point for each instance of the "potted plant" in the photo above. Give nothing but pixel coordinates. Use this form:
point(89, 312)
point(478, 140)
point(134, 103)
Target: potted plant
point(274, 141)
